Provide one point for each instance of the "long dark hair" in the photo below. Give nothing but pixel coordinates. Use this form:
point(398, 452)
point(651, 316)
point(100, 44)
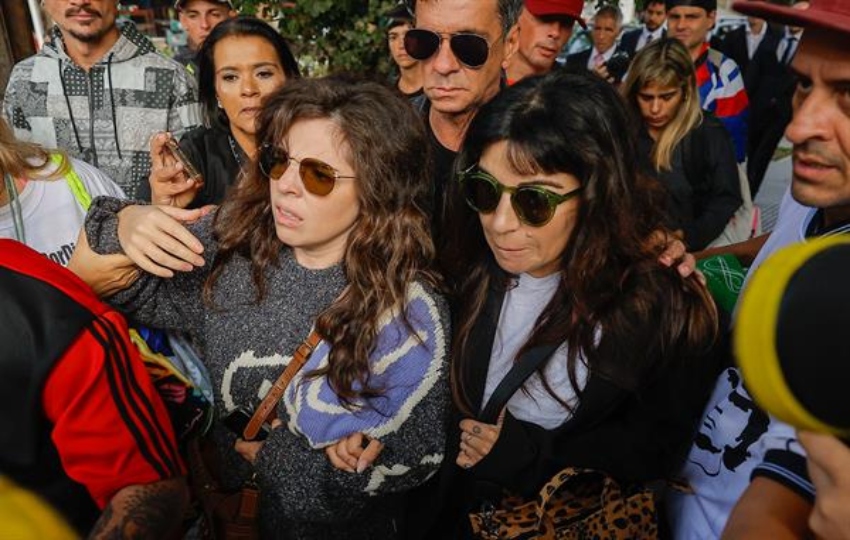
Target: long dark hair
point(389, 246)
point(242, 26)
point(615, 306)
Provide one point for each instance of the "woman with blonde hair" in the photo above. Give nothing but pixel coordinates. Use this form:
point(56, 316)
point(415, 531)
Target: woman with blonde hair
point(44, 195)
point(687, 149)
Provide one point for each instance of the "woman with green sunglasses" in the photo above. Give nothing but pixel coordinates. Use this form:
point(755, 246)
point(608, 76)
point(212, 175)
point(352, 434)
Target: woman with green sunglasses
point(555, 253)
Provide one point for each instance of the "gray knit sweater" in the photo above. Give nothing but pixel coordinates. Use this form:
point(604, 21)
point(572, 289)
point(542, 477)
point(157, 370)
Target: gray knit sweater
point(246, 345)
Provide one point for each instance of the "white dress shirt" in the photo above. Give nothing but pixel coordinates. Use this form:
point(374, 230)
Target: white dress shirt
point(647, 37)
point(754, 40)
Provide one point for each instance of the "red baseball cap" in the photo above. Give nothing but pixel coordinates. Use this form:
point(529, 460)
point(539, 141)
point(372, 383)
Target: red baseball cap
point(570, 8)
point(828, 14)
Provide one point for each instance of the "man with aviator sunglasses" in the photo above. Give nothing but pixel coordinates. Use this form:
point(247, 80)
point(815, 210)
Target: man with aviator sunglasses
point(461, 45)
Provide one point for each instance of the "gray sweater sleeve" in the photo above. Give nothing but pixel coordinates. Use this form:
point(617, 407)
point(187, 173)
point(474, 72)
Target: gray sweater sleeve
point(171, 304)
point(306, 487)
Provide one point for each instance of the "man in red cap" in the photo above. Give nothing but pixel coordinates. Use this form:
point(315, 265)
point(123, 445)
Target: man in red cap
point(767, 491)
point(542, 30)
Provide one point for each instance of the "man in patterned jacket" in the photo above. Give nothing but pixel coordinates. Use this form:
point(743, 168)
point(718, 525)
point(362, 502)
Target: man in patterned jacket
point(720, 82)
point(100, 91)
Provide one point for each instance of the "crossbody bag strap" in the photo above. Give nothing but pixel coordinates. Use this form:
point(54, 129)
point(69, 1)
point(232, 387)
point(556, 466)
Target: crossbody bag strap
point(302, 353)
point(516, 377)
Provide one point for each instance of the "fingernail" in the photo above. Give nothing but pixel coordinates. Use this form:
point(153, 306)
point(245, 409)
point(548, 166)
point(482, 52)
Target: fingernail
point(361, 466)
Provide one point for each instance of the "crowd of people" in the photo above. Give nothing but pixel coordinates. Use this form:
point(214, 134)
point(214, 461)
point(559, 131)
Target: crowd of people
point(483, 263)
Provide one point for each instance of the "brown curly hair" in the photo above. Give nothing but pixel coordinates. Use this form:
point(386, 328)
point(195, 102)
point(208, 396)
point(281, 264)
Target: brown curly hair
point(390, 245)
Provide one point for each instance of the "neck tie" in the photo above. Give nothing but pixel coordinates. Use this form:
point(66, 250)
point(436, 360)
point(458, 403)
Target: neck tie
point(790, 41)
point(598, 60)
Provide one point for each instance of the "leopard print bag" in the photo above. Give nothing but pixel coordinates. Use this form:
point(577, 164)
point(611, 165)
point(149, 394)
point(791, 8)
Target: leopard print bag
point(574, 504)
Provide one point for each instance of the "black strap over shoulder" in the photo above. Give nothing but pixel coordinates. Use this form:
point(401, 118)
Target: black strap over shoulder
point(521, 370)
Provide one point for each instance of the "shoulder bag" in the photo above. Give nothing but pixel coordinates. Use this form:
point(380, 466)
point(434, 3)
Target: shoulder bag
point(232, 514)
point(575, 503)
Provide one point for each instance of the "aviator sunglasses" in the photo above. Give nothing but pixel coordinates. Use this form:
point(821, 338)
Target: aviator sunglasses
point(470, 49)
point(318, 177)
point(534, 205)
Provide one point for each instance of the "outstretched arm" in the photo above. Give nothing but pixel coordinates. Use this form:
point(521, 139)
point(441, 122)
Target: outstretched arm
point(768, 509)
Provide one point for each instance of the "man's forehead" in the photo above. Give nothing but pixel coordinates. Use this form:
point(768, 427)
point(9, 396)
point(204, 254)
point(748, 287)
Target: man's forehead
point(399, 29)
point(688, 10)
point(604, 20)
point(204, 5)
point(477, 16)
point(823, 54)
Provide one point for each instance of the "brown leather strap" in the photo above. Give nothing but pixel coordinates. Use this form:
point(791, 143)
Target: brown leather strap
point(302, 353)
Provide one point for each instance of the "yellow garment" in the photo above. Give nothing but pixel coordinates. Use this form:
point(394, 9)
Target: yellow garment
point(23, 516)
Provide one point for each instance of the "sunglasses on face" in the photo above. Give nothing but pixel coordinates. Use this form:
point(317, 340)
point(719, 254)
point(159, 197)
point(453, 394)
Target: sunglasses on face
point(470, 49)
point(318, 177)
point(534, 205)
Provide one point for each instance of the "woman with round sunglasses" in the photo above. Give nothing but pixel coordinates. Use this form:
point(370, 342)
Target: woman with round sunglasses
point(323, 233)
point(559, 259)
point(687, 149)
point(242, 61)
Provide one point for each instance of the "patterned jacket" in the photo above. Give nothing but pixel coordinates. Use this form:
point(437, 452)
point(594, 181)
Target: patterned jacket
point(721, 91)
point(104, 116)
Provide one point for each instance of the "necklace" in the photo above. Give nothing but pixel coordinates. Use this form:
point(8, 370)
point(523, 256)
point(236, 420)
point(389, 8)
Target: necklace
point(237, 152)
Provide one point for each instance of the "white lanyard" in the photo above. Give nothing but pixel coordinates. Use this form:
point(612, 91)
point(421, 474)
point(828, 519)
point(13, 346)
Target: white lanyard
point(15, 206)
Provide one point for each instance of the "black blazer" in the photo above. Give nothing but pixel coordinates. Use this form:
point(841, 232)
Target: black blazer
point(578, 62)
point(734, 45)
point(634, 436)
point(772, 89)
point(629, 40)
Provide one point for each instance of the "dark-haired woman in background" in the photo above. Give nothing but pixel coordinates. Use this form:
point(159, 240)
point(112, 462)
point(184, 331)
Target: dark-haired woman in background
point(556, 253)
point(686, 148)
point(242, 61)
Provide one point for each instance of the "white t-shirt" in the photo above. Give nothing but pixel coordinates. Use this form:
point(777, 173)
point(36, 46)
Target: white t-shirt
point(52, 216)
point(522, 305)
point(737, 440)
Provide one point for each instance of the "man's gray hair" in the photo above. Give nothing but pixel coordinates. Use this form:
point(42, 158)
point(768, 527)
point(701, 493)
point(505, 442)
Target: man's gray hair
point(611, 12)
point(508, 12)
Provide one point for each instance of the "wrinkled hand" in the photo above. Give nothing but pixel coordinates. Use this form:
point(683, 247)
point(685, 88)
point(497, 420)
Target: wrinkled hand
point(170, 185)
point(676, 254)
point(476, 440)
point(105, 274)
point(350, 455)
point(602, 71)
point(829, 469)
point(156, 240)
point(249, 449)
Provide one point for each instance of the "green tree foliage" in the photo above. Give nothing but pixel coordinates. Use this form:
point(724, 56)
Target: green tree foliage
point(331, 35)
